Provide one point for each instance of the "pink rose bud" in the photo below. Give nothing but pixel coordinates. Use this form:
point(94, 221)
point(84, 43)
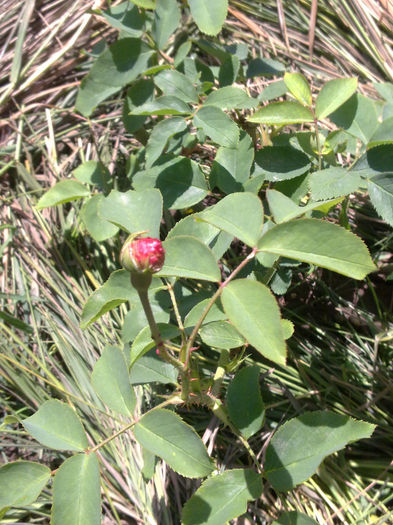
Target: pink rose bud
point(142, 254)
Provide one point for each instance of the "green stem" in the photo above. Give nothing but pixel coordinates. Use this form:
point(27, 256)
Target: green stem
point(318, 143)
point(176, 311)
point(110, 438)
point(217, 294)
point(155, 332)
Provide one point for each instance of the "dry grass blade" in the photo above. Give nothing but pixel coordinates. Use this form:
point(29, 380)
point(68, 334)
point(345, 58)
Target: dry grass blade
point(26, 13)
point(311, 33)
point(49, 45)
point(54, 358)
point(347, 37)
point(282, 22)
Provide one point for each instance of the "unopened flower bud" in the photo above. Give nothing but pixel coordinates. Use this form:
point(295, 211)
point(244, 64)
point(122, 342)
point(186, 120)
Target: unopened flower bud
point(142, 255)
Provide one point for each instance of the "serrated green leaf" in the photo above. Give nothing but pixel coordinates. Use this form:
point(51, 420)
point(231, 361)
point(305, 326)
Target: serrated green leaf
point(229, 71)
point(217, 125)
point(254, 184)
point(144, 341)
point(93, 172)
point(218, 241)
point(300, 445)
point(240, 214)
point(21, 483)
point(221, 334)
point(264, 67)
point(134, 211)
point(198, 72)
point(62, 192)
point(166, 19)
point(281, 207)
point(139, 93)
point(221, 244)
point(208, 16)
point(385, 89)
point(76, 492)
point(213, 48)
point(55, 425)
point(99, 228)
point(159, 136)
point(115, 291)
point(182, 52)
point(125, 17)
point(278, 163)
point(194, 226)
point(179, 179)
point(383, 134)
point(287, 328)
point(294, 518)
point(333, 94)
point(173, 83)
point(282, 114)
point(284, 209)
point(375, 161)
point(222, 498)
point(230, 97)
point(252, 309)
point(299, 87)
point(111, 382)
point(156, 69)
point(244, 401)
point(238, 49)
point(215, 313)
point(116, 67)
point(166, 105)
point(321, 243)
point(280, 282)
point(232, 166)
point(150, 368)
point(333, 182)
point(186, 256)
point(274, 90)
point(165, 434)
point(146, 4)
point(380, 189)
point(358, 116)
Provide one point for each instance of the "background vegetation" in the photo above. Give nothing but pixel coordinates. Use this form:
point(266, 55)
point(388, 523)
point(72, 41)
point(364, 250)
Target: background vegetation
point(341, 353)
